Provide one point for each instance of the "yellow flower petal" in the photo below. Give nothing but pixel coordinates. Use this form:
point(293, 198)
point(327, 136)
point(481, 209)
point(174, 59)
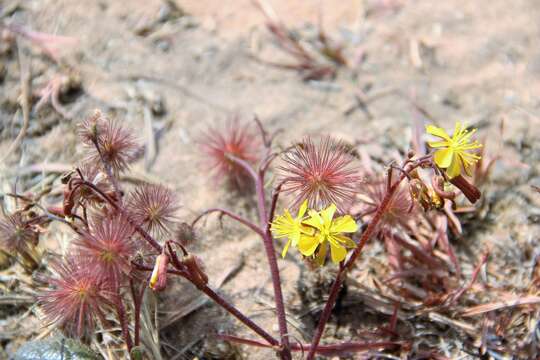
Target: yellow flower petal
point(286, 248)
point(314, 220)
point(321, 254)
point(346, 240)
point(454, 153)
point(344, 224)
point(458, 131)
point(454, 169)
point(294, 237)
point(437, 144)
point(337, 252)
point(437, 131)
point(328, 214)
point(303, 209)
point(443, 157)
point(307, 245)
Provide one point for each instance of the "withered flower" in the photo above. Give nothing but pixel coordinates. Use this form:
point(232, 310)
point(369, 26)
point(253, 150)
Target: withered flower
point(158, 280)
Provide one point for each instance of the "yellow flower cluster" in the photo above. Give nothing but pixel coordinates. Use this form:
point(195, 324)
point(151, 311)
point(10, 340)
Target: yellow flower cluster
point(312, 234)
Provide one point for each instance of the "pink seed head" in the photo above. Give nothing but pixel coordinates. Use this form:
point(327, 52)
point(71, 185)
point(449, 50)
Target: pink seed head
point(154, 208)
point(236, 139)
point(77, 296)
point(322, 173)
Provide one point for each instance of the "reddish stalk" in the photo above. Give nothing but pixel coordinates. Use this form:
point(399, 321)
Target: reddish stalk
point(121, 310)
point(333, 349)
point(230, 214)
point(237, 314)
point(137, 302)
point(340, 277)
point(268, 242)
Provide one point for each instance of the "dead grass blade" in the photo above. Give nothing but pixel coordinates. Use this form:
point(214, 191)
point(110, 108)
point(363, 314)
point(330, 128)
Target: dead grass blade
point(25, 73)
point(517, 301)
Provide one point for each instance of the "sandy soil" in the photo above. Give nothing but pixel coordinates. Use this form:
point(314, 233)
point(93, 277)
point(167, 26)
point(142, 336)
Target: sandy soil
point(477, 62)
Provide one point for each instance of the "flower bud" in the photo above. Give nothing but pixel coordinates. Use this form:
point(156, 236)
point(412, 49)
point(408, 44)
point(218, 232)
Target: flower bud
point(158, 280)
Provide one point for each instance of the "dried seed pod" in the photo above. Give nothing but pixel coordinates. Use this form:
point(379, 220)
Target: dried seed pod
point(470, 191)
point(420, 193)
point(196, 269)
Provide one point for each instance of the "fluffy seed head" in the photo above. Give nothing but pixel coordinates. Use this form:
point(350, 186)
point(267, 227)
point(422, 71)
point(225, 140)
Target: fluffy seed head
point(16, 235)
point(116, 144)
point(76, 297)
point(234, 139)
point(323, 174)
point(153, 207)
point(107, 247)
point(400, 210)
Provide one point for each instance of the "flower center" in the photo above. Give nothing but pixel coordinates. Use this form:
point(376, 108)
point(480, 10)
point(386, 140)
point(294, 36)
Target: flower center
point(107, 256)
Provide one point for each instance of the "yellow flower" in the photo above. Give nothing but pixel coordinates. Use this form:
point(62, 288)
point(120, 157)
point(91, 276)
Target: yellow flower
point(329, 233)
point(285, 226)
point(453, 154)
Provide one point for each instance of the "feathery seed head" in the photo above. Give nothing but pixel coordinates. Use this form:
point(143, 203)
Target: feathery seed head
point(76, 297)
point(400, 210)
point(323, 174)
point(117, 145)
point(236, 139)
point(107, 247)
point(153, 207)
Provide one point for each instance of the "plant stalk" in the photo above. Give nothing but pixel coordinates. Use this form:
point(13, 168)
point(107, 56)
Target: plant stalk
point(124, 323)
point(268, 242)
point(340, 277)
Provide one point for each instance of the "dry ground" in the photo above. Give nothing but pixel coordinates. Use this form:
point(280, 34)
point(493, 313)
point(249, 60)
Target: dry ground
point(475, 61)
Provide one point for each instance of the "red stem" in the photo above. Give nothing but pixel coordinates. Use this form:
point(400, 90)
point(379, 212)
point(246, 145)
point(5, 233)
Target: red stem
point(333, 349)
point(270, 255)
point(230, 214)
point(237, 314)
point(124, 323)
point(366, 235)
point(137, 302)
point(268, 244)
